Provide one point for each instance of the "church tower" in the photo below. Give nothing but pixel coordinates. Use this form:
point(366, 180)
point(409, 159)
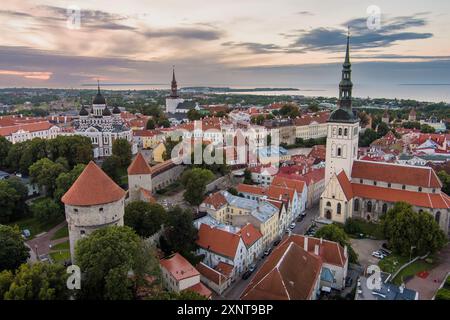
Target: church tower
point(343, 127)
point(174, 86)
point(173, 99)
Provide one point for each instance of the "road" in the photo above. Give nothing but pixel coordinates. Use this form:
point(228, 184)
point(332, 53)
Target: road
point(235, 291)
point(43, 241)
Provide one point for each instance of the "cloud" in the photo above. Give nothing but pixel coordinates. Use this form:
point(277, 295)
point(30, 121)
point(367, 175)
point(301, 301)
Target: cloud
point(185, 33)
point(260, 48)
point(38, 75)
point(392, 31)
point(305, 13)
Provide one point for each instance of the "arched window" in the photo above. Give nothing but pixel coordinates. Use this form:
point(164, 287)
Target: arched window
point(340, 131)
point(369, 206)
point(437, 217)
point(345, 132)
point(339, 208)
point(339, 152)
point(384, 209)
point(328, 204)
point(356, 205)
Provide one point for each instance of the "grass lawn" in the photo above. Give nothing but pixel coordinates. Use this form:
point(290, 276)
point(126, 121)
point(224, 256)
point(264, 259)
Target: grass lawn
point(393, 262)
point(371, 229)
point(60, 256)
point(35, 226)
point(61, 233)
point(61, 246)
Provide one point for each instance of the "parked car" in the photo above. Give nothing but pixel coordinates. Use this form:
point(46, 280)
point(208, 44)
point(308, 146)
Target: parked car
point(292, 225)
point(384, 252)
point(266, 253)
point(252, 268)
point(276, 242)
point(26, 233)
point(378, 255)
point(246, 275)
point(348, 282)
point(300, 218)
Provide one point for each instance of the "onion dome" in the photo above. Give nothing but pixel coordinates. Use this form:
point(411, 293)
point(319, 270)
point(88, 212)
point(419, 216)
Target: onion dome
point(83, 112)
point(116, 110)
point(106, 112)
point(99, 98)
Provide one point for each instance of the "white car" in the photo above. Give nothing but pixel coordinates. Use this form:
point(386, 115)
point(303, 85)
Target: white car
point(378, 255)
point(292, 225)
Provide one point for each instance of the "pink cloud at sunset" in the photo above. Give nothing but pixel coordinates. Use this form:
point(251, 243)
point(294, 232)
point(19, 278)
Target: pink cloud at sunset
point(38, 75)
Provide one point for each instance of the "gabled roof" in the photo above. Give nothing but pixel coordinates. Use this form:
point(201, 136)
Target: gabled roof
point(345, 184)
point(179, 267)
point(298, 185)
point(289, 273)
point(93, 187)
point(396, 173)
point(211, 274)
point(201, 289)
point(139, 166)
point(249, 234)
point(218, 241)
point(215, 200)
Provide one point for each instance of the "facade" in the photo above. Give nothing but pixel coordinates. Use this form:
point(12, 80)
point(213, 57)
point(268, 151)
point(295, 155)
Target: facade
point(103, 126)
point(94, 201)
point(311, 126)
point(213, 279)
point(16, 132)
point(368, 189)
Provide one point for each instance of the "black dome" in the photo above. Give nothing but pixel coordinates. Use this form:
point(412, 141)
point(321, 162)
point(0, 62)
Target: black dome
point(116, 110)
point(99, 99)
point(106, 112)
point(83, 112)
point(342, 115)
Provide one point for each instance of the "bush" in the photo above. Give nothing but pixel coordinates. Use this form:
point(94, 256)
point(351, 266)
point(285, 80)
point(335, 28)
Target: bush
point(46, 210)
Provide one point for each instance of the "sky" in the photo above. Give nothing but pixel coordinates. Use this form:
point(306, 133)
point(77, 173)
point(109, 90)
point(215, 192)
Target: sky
point(250, 43)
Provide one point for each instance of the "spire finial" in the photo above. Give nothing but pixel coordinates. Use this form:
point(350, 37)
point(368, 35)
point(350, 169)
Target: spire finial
point(347, 52)
point(98, 86)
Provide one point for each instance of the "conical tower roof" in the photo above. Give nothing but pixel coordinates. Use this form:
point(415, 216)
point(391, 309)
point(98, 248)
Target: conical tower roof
point(139, 166)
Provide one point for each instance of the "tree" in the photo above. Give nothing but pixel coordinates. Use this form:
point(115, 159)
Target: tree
point(170, 144)
point(46, 210)
point(334, 233)
point(144, 218)
point(5, 145)
point(445, 179)
point(112, 166)
point(405, 229)
point(6, 279)
point(195, 181)
point(66, 179)
point(233, 191)
point(193, 115)
point(9, 199)
point(411, 125)
point(13, 251)
point(425, 128)
point(121, 148)
point(39, 281)
point(363, 119)
point(150, 124)
point(180, 234)
point(247, 176)
point(44, 172)
point(105, 258)
point(382, 129)
point(366, 138)
point(289, 110)
point(165, 123)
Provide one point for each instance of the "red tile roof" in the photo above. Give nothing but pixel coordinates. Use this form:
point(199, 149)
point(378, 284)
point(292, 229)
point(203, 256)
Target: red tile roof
point(30, 127)
point(218, 241)
point(252, 189)
point(93, 187)
point(225, 268)
point(216, 200)
point(249, 234)
point(281, 193)
point(139, 166)
point(289, 273)
point(201, 289)
point(179, 267)
point(395, 173)
point(345, 184)
point(211, 274)
point(420, 199)
point(331, 252)
point(307, 119)
point(289, 183)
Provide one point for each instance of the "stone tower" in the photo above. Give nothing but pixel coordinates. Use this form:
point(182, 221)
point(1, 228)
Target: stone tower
point(343, 127)
point(139, 178)
point(94, 201)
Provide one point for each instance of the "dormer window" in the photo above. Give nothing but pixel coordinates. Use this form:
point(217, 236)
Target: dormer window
point(403, 187)
point(420, 189)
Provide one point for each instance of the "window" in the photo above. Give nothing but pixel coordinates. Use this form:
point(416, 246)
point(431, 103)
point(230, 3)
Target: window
point(356, 205)
point(389, 185)
point(339, 208)
point(361, 181)
point(101, 209)
point(403, 187)
point(384, 209)
point(345, 132)
point(82, 232)
point(437, 217)
point(420, 189)
point(374, 183)
point(369, 206)
point(328, 204)
point(340, 132)
point(434, 190)
point(339, 152)
point(75, 210)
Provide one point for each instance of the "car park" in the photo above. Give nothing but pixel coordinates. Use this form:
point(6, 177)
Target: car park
point(378, 255)
point(384, 252)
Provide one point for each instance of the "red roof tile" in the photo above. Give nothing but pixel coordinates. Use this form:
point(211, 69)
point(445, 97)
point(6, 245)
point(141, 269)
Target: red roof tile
point(249, 234)
point(215, 200)
point(345, 184)
point(179, 267)
point(395, 173)
point(225, 268)
point(93, 187)
point(201, 289)
point(30, 127)
point(289, 183)
point(139, 166)
point(211, 274)
point(218, 241)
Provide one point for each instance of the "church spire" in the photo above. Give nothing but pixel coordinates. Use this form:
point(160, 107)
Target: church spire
point(174, 86)
point(98, 86)
point(346, 85)
point(347, 52)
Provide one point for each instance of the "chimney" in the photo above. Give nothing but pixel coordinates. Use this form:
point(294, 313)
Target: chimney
point(316, 249)
point(305, 244)
point(321, 240)
point(345, 252)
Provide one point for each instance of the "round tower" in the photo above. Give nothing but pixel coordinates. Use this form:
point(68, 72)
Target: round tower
point(139, 178)
point(94, 201)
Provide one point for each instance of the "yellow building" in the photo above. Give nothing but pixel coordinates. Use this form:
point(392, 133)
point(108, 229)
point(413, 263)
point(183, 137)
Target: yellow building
point(158, 152)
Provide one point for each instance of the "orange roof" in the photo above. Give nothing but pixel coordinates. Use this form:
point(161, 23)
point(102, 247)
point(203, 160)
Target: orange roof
point(247, 188)
point(289, 273)
point(331, 252)
point(420, 199)
point(201, 289)
point(211, 274)
point(139, 166)
point(225, 268)
point(298, 185)
point(30, 127)
point(345, 184)
point(218, 241)
point(215, 200)
point(148, 195)
point(249, 234)
point(280, 193)
point(93, 187)
point(395, 173)
point(179, 267)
